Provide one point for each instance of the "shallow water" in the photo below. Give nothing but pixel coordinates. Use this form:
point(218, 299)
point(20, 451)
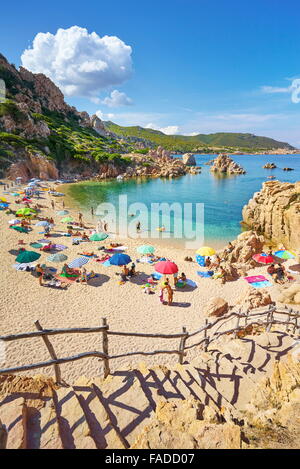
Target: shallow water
point(223, 196)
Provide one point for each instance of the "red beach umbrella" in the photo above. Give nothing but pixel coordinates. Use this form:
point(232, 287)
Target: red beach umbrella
point(263, 258)
point(166, 267)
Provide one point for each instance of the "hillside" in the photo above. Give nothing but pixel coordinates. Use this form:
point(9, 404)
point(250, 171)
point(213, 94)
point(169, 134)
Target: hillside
point(181, 143)
point(40, 134)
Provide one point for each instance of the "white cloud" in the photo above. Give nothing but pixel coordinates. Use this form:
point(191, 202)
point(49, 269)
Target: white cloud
point(274, 89)
point(169, 130)
point(117, 99)
point(103, 116)
point(81, 64)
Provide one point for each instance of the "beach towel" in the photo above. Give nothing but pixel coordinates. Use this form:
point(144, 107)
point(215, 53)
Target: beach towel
point(145, 260)
point(156, 276)
point(258, 281)
point(208, 274)
point(200, 260)
point(106, 263)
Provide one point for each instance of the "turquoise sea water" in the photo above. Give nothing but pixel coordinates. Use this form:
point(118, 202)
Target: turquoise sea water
point(223, 196)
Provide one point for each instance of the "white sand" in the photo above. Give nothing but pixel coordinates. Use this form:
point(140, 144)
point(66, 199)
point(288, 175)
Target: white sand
point(126, 307)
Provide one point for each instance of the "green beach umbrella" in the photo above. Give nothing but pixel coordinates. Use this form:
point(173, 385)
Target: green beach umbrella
point(20, 229)
point(25, 211)
point(27, 256)
point(62, 213)
point(98, 237)
point(36, 245)
point(67, 220)
point(57, 258)
point(146, 249)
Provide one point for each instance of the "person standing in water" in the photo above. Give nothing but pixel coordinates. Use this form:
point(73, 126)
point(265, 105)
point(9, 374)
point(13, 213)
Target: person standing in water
point(92, 211)
point(138, 227)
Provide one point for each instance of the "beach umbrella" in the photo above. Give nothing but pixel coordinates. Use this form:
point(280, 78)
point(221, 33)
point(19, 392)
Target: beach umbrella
point(15, 194)
point(15, 221)
point(3, 199)
point(120, 259)
point(19, 228)
point(263, 258)
point(206, 251)
point(57, 258)
point(284, 254)
point(67, 220)
point(78, 262)
point(25, 211)
point(165, 267)
point(27, 257)
point(42, 223)
point(62, 213)
point(200, 260)
point(36, 245)
point(98, 237)
point(3, 205)
point(146, 249)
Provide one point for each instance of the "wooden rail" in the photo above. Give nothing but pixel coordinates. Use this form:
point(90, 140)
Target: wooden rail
point(209, 333)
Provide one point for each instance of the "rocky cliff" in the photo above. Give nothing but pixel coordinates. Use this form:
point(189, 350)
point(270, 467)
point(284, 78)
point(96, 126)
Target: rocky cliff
point(275, 212)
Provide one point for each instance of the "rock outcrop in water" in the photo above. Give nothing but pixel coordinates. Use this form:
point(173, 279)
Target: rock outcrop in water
point(275, 212)
point(270, 166)
point(189, 159)
point(224, 164)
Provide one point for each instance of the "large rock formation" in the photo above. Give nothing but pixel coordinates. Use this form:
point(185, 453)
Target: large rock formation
point(243, 248)
point(189, 425)
point(290, 295)
point(275, 213)
point(224, 164)
point(275, 408)
point(216, 307)
point(255, 299)
point(189, 159)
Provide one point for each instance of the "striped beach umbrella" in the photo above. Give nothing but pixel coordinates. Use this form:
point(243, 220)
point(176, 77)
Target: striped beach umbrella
point(284, 254)
point(57, 258)
point(78, 262)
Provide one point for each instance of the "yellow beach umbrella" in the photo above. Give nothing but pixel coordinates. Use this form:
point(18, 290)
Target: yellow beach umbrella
point(3, 199)
point(206, 251)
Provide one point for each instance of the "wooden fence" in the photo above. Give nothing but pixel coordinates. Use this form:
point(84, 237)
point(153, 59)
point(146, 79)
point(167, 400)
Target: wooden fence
point(208, 334)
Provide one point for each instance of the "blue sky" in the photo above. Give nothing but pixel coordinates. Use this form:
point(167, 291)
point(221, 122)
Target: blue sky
point(185, 66)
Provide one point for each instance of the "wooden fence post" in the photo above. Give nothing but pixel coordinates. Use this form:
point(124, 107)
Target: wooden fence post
point(182, 346)
point(237, 325)
point(51, 352)
point(206, 343)
point(289, 317)
point(105, 347)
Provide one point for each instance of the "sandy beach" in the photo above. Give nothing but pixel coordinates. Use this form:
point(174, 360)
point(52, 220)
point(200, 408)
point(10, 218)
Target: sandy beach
point(126, 307)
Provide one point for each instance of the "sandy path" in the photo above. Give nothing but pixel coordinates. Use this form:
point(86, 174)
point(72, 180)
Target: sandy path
point(126, 307)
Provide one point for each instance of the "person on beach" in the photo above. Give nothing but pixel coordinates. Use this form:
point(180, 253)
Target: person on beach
point(207, 262)
point(40, 271)
point(83, 276)
point(182, 277)
point(92, 211)
point(63, 204)
point(85, 236)
point(124, 273)
point(105, 226)
point(216, 263)
point(169, 290)
point(80, 217)
point(132, 270)
point(52, 204)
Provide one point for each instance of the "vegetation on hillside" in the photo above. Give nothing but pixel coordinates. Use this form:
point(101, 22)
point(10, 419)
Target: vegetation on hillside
point(205, 143)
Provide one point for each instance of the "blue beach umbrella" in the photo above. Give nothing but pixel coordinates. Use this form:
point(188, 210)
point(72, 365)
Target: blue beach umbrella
point(3, 205)
point(78, 262)
point(43, 223)
point(200, 260)
point(120, 259)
